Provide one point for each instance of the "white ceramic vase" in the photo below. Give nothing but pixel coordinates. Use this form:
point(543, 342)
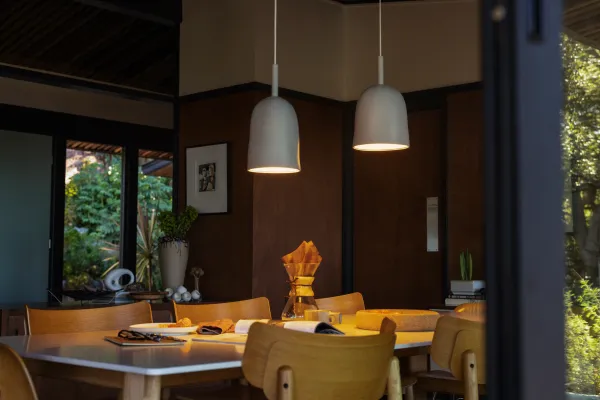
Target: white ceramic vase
point(172, 258)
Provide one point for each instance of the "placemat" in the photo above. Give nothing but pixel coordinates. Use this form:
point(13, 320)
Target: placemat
point(165, 341)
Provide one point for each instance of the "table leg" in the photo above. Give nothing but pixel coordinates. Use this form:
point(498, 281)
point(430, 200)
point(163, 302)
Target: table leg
point(412, 365)
point(140, 387)
point(152, 391)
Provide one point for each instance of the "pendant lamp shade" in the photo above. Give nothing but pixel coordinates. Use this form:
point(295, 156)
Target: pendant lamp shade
point(274, 138)
point(274, 146)
point(381, 122)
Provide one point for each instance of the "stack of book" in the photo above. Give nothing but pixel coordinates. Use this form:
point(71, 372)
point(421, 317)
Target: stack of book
point(462, 292)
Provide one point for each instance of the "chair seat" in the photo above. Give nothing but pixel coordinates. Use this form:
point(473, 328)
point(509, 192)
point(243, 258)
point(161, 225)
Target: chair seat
point(441, 382)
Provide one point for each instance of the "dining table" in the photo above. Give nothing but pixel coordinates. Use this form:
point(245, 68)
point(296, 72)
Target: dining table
point(142, 371)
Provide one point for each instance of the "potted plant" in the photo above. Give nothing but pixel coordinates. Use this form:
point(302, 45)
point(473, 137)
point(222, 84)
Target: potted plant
point(466, 285)
point(173, 248)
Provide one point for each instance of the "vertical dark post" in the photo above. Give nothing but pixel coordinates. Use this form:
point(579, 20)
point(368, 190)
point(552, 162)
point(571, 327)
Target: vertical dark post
point(57, 216)
point(523, 194)
point(129, 193)
point(348, 198)
point(443, 201)
point(176, 118)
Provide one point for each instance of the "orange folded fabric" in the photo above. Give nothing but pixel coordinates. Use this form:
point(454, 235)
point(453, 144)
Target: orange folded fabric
point(306, 253)
point(216, 327)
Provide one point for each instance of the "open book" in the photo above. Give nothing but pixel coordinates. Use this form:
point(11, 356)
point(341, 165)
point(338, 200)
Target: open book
point(243, 326)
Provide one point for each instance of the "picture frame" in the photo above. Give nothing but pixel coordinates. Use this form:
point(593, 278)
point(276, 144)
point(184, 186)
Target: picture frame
point(207, 178)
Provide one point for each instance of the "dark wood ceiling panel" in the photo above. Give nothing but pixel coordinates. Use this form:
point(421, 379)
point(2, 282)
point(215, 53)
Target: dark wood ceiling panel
point(351, 2)
point(85, 40)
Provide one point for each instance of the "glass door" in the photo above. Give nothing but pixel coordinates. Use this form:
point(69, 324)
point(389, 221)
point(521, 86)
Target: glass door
point(155, 194)
point(92, 215)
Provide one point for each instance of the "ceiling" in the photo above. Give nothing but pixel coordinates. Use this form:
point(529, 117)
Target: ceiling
point(582, 21)
point(350, 2)
point(123, 42)
point(113, 149)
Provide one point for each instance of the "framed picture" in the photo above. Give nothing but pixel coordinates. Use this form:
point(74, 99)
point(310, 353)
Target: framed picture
point(207, 178)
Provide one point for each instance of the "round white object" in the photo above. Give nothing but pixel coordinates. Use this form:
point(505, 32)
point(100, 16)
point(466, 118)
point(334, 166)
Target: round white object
point(112, 279)
point(176, 297)
point(181, 290)
point(196, 295)
point(187, 296)
point(169, 292)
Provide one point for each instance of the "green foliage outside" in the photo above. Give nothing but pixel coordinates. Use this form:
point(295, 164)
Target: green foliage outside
point(582, 338)
point(581, 151)
point(93, 220)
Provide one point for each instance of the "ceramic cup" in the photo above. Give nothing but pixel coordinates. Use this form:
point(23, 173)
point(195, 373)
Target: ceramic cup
point(323, 315)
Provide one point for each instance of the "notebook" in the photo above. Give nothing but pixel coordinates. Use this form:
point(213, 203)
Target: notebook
point(243, 326)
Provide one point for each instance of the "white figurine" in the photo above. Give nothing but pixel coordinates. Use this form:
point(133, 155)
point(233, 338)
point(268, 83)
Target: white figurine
point(176, 297)
point(169, 292)
point(196, 295)
point(187, 296)
point(181, 290)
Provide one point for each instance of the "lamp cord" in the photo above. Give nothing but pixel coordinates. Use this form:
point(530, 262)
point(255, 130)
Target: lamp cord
point(380, 28)
point(275, 35)
point(380, 60)
point(275, 84)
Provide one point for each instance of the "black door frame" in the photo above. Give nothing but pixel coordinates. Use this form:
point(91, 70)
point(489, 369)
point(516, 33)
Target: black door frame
point(524, 230)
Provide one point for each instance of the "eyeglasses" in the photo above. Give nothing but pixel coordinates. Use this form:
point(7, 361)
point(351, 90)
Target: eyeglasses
point(133, 335)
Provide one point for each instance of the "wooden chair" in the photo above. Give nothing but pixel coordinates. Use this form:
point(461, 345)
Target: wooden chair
point(15, 382)
point(291, 365)
point(459, 346)
point(345, 304)
point(473, 311)
point(258, 308)
point(42, 322)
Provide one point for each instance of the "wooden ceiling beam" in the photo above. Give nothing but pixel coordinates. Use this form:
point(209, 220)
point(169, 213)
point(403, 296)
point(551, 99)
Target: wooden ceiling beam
point(353, 2)
point(164, 12)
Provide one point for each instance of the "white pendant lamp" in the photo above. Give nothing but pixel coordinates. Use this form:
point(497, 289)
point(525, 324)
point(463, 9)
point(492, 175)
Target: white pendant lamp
point(274, 146)
point(381, 122)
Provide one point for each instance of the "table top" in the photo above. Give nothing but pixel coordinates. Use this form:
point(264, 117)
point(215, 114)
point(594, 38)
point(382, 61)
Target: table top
point(91, 350)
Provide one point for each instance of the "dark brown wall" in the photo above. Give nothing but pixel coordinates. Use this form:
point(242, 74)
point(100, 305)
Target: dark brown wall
point(392, 267)
point(270, 214)
point(222, 244)
point(306, 206)
point(465, 181)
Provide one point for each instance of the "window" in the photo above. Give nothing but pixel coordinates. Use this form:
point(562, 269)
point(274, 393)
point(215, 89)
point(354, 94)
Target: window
point(155, 194)
point(92, 218)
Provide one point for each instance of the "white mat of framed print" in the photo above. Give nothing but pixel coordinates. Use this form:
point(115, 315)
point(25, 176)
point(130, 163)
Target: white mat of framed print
point(206, 178)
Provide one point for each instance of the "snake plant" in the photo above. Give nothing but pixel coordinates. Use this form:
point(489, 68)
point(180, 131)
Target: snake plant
point(466, 266)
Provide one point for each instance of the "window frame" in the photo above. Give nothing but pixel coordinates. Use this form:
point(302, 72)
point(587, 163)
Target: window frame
point(62, 127)
point(524, 235)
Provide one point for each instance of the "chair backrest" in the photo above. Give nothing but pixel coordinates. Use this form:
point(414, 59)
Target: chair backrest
point(258, 308)
point(15, 381)
point(42, 322)
point(452, 338)
point(323, 366)
point(474, 311)
point(345, 304)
